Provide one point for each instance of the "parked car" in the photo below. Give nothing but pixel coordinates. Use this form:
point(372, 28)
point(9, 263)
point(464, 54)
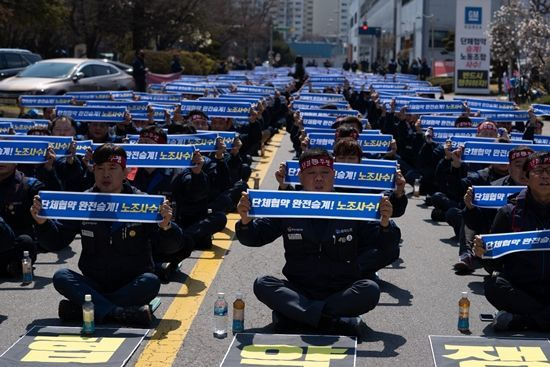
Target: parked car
point(58, 76)
point(128, 69)
point(13, 60)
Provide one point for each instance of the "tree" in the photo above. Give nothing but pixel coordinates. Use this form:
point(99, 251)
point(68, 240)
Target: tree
point(95, 21)
point(520, 35)
point(38, 25)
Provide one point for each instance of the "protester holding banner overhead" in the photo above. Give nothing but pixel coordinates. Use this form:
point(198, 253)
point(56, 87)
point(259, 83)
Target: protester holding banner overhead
point(324, 289)
point(348, 150)
point(450, 166)
point(520, 285)
point(430, 155)
point(534, 126)
point(193, 191)
point(70, 169)
point(478, 220)
point(460, 178)
point(16, 224)
point(46, 173)
point(116, 259)
point(158, 181)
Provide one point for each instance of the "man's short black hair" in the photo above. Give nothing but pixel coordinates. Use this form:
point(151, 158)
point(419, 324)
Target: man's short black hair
point(348, 120)
point(314, 153)
point(106, 151)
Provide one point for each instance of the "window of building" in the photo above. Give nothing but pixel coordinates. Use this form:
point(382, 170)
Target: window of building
point(439, 38)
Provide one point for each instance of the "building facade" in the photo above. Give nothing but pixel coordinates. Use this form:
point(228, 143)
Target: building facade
point(410, 29)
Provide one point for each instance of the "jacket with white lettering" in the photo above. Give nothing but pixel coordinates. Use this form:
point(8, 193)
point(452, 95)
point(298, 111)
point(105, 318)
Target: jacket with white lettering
point(113, 253)
point(322, 255)
point(530, 269)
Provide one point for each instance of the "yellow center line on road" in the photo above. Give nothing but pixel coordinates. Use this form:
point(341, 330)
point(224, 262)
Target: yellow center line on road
point(168, 337)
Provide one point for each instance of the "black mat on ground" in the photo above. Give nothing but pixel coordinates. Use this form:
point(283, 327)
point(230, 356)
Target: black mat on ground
point(290, 350)
point(477, 351)
point(64, 346)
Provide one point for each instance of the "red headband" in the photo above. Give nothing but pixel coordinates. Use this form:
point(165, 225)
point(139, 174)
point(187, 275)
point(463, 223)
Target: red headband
point(157, 138)
point(513, 155)
point(317, 161)
point(538, 161)
point(487, 125)
point(118, 159)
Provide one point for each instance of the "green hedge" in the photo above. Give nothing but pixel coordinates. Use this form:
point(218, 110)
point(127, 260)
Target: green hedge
point(194, 63)
point(447, 83)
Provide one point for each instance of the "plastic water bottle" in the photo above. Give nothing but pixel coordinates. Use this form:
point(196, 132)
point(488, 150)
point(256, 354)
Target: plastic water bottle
point(88, 326)
point(464, 313)
point(26, 264)
point(416, 189)
point(238, 314)
point(220, 317)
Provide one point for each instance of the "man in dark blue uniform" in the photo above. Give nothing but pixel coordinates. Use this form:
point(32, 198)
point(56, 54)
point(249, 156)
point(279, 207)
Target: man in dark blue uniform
point(519, 287)
point(324, 289)
point(16, 231)
point(116, 259)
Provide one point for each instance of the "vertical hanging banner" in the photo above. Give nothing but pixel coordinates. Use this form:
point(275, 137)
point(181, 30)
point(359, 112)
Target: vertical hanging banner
point(472, 49)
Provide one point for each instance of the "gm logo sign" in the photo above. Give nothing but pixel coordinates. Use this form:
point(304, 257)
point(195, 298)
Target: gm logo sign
point(472, 15)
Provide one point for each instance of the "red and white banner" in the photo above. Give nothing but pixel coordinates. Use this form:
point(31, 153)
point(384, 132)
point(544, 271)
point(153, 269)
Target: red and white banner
point(153, 78)
point(443, 68)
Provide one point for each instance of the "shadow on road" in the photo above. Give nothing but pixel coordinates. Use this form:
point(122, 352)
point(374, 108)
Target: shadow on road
point(391, 342)
point(477, 288)
point(402, 296)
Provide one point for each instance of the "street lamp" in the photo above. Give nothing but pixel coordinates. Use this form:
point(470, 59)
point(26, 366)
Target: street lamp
point(431, 18)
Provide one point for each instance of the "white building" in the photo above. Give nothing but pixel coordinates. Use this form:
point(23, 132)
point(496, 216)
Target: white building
point(311, 20)
point(409, 29)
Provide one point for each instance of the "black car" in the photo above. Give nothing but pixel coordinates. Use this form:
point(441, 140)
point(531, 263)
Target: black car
point(13, 60)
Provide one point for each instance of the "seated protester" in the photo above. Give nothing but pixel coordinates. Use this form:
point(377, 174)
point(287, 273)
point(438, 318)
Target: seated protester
point(252, 134)
point(98, 132)
point(277, 108)
point(349, 154)
point(116, 259)
point(448, 198)
point(158, 181)
point(459, 180)
point(520, 284)
point(348, 150)
point(174, 123)
point(430, 154)
point(191, 193)
point(478, 220)
point(409, 137)
point(70, 169)
point(227, 199)
point(325, 289)
point(45, 172)
point(16, 225)
point(238, 166)
point(122, 129)
point(534, 126)
point(295, 128)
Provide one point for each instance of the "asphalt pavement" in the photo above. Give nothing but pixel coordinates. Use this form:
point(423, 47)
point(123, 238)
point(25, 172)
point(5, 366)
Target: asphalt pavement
point(420, 294)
